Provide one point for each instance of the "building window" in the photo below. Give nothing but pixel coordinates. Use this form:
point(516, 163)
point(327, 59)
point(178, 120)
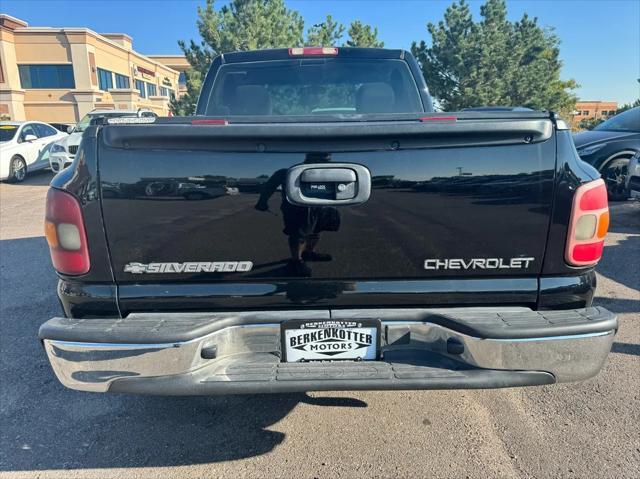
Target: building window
point(122, 81)
point(105, 79)
point(46, 76)
point(182, 78)
point(585, 113)
point(140, 87)
point(168, 92)
point(151, 89)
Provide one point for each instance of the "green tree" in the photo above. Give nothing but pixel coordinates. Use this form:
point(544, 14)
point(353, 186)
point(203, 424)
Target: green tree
point(325, 34)
point(329, 33)
point(628, 106)
point(493, 61)
point(255, 24)
point(361, 35)
point(240, 25)
point(589, 123)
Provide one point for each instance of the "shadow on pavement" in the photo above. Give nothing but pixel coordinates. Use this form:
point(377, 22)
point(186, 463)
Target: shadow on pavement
point(37, 178)
point(618, 305)
point(44, 426)
point(78, 430)
point(625, 217)
point(626, 348)
point(621, 262)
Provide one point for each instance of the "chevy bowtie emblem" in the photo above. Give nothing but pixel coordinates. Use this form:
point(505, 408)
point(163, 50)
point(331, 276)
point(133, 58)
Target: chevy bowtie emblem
point(135, 268)
point(189, 267)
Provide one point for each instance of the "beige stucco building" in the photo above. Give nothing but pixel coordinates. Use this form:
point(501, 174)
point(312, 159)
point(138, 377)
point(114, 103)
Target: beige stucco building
point(60, 74)
point(178, 63)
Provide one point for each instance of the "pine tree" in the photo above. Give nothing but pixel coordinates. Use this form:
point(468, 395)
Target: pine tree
point(240, 25)
point(493, 61)
point(361, 35)
point(325, 34)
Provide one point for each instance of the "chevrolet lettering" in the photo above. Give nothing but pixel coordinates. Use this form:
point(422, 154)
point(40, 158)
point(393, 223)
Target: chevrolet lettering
point(478, 263)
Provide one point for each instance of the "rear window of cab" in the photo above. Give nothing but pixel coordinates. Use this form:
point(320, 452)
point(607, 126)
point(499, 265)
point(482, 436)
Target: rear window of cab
point(309, 86)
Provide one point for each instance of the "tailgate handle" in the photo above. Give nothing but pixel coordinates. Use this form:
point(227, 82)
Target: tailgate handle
point(328, 175)
point(328, 184)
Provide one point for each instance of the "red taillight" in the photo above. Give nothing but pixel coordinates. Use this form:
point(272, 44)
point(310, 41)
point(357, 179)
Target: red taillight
point(303, 51)
point(438, 118)
point(64, 230)
point(588, 252)
point(213, 121)
point(589, 224)
point(594, 198)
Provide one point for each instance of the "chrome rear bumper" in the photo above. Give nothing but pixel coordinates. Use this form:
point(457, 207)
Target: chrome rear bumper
point(228, 353)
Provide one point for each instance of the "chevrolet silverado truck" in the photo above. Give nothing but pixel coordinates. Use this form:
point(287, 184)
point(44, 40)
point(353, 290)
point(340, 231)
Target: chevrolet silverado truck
point(317, 226)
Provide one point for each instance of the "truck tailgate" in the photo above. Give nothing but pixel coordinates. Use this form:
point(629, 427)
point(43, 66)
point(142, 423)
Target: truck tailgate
point(466, 199)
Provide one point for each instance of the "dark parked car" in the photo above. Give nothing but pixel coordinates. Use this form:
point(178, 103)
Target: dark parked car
point(609, 147)
point(63, 127)
point(633, 178)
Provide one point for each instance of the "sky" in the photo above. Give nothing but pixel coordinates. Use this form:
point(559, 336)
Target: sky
point(600, 38)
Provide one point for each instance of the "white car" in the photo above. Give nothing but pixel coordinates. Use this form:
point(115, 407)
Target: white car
point(25, 146)
point(64, 151)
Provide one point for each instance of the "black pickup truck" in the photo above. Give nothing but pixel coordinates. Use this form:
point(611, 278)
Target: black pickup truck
point(316, 226)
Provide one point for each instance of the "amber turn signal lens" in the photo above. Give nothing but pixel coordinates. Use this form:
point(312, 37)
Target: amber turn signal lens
point(50, 234)
point(603, 225)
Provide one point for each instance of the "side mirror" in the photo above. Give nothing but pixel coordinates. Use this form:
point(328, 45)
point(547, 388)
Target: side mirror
point(69, 129)
point(30, 138)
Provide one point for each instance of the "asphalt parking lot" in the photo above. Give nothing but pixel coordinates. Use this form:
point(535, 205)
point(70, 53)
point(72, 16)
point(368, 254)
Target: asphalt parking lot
point(584, 430)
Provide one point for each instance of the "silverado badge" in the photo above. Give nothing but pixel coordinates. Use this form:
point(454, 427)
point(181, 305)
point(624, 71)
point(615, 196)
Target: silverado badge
point(190, 267)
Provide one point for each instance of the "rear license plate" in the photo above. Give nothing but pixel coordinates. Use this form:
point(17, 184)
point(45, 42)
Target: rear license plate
point(304, 340)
